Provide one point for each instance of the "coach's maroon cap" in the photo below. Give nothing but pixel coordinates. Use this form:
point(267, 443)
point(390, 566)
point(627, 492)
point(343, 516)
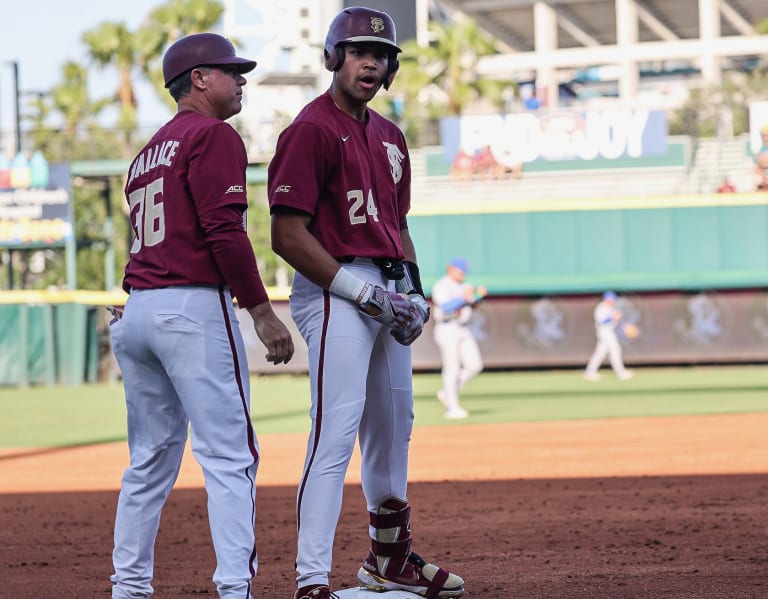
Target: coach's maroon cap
point(201, 49)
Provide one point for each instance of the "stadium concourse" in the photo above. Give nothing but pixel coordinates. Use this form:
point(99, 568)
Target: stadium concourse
point(616, 40)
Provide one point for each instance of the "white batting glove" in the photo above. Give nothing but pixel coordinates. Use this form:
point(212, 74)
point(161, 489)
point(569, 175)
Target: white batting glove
point(389, 308)
point(409, 333)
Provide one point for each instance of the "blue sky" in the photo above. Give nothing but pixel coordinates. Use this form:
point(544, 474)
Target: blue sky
point(41, 35)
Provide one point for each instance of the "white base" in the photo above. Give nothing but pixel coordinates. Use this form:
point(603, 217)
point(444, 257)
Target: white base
point(360, 593)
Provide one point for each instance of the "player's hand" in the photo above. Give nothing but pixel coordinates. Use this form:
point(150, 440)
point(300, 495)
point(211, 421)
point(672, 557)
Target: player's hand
point(389, 308)
point(421, 304)
point(480, 291)
point(273, 334)
point(411, 332)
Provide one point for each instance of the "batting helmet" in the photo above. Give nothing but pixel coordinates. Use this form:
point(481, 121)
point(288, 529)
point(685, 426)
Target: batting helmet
point(201, 49)
point(362, 25)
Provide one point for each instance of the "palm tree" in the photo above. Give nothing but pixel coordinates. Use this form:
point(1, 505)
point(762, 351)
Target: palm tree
point(77, 133)
point(163, 26)
point(71, 97)
point(112, 44)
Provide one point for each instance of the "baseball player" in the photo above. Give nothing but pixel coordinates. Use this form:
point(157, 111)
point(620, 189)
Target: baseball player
point(453, 300)
point(607, 317)
point(339, 192)
point(178, 342)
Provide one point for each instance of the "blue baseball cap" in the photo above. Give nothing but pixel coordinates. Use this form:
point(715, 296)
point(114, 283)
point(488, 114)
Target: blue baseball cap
point(609, 295)
point(460, 263)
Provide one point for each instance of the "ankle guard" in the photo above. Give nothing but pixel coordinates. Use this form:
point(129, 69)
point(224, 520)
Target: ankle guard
point(392, 543)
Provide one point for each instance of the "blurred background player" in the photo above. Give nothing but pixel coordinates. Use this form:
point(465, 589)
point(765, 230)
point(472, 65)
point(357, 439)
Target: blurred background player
point(339, 192)
point(607, 318)
point(178, 342)
point(453, 300)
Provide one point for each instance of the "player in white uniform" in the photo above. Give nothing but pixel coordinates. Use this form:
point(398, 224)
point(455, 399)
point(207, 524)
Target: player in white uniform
point(607, 318)
point(452, 301)
point(339, 192)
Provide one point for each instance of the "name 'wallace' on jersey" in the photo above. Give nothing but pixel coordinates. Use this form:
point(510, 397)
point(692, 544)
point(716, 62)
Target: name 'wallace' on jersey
point(187, 197)
point(160, 154)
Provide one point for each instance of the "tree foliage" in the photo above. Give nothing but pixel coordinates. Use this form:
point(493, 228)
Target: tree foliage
point(63, 123)
point(112, 44)
point(708, 110)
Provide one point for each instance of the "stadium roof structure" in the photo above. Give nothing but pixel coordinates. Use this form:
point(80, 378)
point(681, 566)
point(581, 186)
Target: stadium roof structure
point(541, 37)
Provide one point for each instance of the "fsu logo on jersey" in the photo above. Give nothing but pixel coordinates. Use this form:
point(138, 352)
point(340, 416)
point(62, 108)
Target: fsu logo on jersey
point(395, 157)
point(377, 24)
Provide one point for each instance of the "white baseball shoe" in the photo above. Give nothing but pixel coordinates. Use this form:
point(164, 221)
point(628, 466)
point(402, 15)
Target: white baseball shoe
point(592, 376)
point(456, 414)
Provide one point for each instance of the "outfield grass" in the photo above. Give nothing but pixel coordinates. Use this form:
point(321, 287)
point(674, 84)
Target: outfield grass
point(61, 416)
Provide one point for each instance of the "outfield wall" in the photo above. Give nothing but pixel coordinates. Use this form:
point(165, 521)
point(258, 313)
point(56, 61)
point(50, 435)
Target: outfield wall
point(68, 342)
point(556, 331)
point(717, 241)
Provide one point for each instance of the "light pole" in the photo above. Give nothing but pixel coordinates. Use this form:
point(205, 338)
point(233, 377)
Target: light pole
point(17, 111)
point(17, 116)
point(16, 103)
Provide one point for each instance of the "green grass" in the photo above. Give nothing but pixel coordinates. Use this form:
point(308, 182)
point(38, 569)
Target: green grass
point(89, 414)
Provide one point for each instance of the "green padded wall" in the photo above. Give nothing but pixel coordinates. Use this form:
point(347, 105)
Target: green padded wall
point(580, 251)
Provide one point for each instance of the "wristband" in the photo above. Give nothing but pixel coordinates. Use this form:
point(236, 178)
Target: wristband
point(411, 282)
point(348, 286)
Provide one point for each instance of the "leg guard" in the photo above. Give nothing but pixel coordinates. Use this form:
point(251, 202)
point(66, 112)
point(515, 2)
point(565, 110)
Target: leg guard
point(391, 565)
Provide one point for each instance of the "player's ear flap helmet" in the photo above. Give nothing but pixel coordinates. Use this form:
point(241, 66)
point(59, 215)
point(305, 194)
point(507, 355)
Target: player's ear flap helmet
point(362, 25)
point(201, 49)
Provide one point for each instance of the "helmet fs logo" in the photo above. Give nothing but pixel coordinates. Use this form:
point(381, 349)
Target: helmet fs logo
point(377, 24)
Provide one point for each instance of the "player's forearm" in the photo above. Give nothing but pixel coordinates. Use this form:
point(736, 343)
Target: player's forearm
point(453, 305)
point(292, 241)
point(409, 250)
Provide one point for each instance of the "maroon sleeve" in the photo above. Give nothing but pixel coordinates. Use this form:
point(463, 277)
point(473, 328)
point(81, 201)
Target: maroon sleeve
point(297, 183)
point(233, 253)
point(218, 186)
point(217, 169)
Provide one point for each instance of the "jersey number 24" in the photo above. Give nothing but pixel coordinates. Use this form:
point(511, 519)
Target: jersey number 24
point(356, 211)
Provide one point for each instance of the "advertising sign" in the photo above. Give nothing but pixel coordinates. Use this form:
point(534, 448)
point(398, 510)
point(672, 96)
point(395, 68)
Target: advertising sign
point(559, 135)
point(35, 203)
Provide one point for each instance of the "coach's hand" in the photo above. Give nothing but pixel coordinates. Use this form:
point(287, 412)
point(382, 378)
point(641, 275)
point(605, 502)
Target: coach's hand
point(273, 333)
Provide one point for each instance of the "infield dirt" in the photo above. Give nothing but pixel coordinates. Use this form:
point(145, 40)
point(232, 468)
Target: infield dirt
point(631, 508)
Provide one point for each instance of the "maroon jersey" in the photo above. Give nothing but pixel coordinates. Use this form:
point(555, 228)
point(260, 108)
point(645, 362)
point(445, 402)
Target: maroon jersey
point(187, 198)
point(353, 178)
